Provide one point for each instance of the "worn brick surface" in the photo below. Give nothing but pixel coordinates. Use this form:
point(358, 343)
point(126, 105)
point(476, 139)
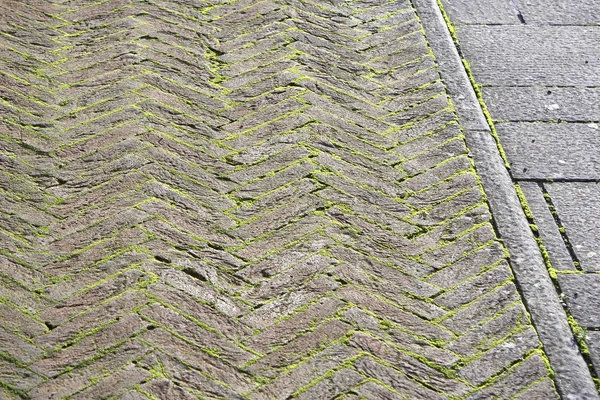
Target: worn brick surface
point(244, 200)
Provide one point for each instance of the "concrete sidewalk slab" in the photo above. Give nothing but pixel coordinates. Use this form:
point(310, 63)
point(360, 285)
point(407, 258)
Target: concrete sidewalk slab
point(537, 80)
point(261, 200)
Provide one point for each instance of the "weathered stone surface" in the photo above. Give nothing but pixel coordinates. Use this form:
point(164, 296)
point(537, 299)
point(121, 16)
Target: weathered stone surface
point(581, 291)
point(481, 12)
point(567, 12)
point(546, 225)
point(571, 104)
point(241, 200)
point(505, 386)
point(593, 342)
point(499, 357)
point(578, 208)
point(538, 78)
point(532, 55)
point(551, 151)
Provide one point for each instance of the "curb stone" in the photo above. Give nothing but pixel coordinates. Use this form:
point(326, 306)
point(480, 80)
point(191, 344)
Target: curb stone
point(572, 375)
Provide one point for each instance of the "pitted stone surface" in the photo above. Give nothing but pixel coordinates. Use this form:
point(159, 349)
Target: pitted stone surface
point(244, 200)
point(542, 151)
point(581, 292)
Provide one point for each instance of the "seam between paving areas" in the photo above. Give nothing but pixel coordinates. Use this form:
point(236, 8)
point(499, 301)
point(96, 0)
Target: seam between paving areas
point(572, 375)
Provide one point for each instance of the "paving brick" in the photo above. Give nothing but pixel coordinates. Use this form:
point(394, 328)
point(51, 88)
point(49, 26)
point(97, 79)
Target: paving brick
point(399, 338)
point(90, 345)
point(593, 342)
point(474, 288)
point(481, 338)
point(483, 12)
point(394, 379)
point(561, 13)
point(551, 57)
point(392, 294)
point(577, 208)
point(165, 389)
point(543, 390)
point(18, 377)
point(506, 385)
point(79, 378)
point(227, 350)
point(481, 309)
point(190, 379)
point(540, 154)
point(286, 330)
point(407, 320)
point(571, 104)
point(340, 382)
point(245, 200)
point(581, 291)
point(211, 366)
point(548, 230)
point(323, 336)
point(290, 278)
point(412, 368)
point(114, 384)
point(288, 383)
point(504, 355)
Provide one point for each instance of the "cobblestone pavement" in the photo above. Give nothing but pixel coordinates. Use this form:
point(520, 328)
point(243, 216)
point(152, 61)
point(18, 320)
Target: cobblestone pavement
point(539, 70)
point(246, 200)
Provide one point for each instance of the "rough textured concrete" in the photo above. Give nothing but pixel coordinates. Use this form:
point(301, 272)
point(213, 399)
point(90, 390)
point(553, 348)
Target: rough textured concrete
point(581, 293)
point(481, 12)
point(532, 55)
point(531, 103)
point(560, 12)
point(551, 151)
point(538, 80)
point(246, 200)
point(546, 226)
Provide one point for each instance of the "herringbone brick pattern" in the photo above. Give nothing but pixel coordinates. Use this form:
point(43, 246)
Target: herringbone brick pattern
point(244, 200)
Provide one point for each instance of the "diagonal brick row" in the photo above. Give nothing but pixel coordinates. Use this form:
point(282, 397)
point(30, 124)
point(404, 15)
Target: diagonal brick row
point(244, 200)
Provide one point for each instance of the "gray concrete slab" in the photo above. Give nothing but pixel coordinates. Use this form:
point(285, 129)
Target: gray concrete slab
point(581, 293)
point(481, 12)
point(537, 103)
point(551, 151)
point(540, 80)
point(563, 12)
point(578, 207)
point(532, 55)
point(547, 228)
point(593, 342)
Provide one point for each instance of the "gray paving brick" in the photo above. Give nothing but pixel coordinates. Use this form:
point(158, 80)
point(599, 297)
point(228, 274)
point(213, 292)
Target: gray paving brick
point(212, 200)
point(482, 368)
point(551, 151)
point(529, 103)
point(578, 208)
point(593, 342)
point(542, 391)
point(563, 12)
point(532, 55)
point(504, 386)
point(481, 12)
point(581, 292)
point(547, 228)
